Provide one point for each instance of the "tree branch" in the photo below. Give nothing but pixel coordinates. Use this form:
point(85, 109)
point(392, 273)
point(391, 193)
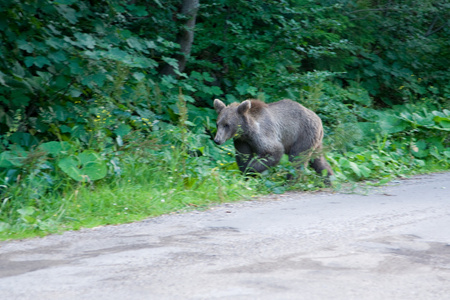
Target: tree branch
point(430, 30)
point(373, 9)
point(185, 37)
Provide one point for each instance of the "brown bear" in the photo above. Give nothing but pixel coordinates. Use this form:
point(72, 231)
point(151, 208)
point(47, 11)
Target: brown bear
point(263, 132)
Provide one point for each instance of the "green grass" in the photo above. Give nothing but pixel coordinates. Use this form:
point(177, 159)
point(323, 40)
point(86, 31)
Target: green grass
point(165, 181)
point(142, 191)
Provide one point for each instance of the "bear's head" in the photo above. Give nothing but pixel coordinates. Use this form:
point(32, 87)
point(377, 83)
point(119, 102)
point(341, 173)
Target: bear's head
point(230, 119)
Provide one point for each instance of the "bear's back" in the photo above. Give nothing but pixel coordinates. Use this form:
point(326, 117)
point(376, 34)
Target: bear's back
point(288, 111)
point(294, 122)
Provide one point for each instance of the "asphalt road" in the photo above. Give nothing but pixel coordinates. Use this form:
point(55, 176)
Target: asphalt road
point(391, 243)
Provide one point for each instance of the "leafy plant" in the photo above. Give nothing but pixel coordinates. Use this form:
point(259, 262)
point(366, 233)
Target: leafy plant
point(86, 166)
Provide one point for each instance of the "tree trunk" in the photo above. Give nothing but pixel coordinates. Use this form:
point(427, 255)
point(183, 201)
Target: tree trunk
point(186, 36)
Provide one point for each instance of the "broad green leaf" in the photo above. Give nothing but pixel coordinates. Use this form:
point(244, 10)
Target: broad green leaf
point(134, 43)
point(117, 54)
point(422, 121)
point(94, 80)
point(55, 148)
point(74, 92)
point(87, 166)
point(419, 149)
point(365, 171)
point(447, 153)
point(13, 158)
point(142, 62)
point(27, 211)
point(68, 13)
point(391, 124)
point(26, 214)
point(85, 40)
point(122, 130)
point(443, 121)
point(24, 139)
point(215, 90)
point(38, 61)
point(7, 159)
point(24, 45)
point(369, 129)
point(196, 75)
point(171, 61)
point(355, 168)
point(245, 89)
point(360, 157)
point(58, 56)
point(150, 44)
point(56, 43)
point(138, 76)
point(207, 77)
point(420, 162)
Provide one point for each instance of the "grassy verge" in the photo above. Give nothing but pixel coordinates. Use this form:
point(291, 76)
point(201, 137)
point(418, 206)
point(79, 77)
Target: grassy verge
point(144, 189)
point(121, 175)
point(161, 187)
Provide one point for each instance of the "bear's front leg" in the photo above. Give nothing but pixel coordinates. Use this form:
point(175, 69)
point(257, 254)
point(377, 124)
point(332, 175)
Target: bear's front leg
point(244, 155)
point(260, 163)
point(254, 162)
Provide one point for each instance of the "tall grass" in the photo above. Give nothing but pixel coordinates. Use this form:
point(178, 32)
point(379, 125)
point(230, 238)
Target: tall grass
point(143, 190)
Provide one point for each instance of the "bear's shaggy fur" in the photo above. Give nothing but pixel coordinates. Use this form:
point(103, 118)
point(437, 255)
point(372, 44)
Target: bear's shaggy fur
point(263, 132)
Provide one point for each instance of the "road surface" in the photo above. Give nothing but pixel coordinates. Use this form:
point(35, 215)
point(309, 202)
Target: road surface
point(390, 243)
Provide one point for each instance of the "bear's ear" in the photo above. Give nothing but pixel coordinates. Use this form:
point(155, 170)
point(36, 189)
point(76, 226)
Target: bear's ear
point(218, 105)
point(244, 107)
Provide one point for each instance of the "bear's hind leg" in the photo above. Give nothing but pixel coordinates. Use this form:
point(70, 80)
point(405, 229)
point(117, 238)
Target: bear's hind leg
point(319, 164)
point(304, 156)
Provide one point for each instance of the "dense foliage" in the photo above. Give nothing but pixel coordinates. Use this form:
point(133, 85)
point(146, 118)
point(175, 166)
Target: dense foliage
point(85, 103)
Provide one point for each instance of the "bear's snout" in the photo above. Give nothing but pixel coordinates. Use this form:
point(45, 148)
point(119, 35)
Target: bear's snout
point(220, 138)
